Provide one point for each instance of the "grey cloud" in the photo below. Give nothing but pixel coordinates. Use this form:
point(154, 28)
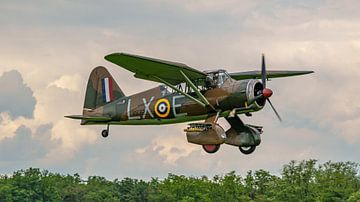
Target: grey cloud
point(159, 19)
point(25, 148)
point(16, 97)
point(115, 156)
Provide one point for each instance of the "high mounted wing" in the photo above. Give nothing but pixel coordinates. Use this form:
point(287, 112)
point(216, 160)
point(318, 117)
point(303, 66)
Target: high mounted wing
point(152, 69)
point(270, 74)
point(169, 73)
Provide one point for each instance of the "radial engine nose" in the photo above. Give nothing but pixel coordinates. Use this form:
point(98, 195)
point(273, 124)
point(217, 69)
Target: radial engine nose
point(267, 92)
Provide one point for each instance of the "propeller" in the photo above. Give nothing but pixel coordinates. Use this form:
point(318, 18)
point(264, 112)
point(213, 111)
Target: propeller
point(263, 71)
point(267, 92)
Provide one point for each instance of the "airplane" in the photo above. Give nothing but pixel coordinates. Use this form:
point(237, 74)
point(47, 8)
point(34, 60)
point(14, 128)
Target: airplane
point(185, 95)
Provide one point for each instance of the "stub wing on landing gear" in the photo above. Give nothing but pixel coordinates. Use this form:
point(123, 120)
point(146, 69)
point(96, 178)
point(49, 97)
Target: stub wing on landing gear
point(212, 135)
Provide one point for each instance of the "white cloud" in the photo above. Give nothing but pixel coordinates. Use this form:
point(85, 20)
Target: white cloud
point(350, 130)
point(172, 147)
point(8, 126)
point(205, 6)
point(72, 138)
point(69, 82)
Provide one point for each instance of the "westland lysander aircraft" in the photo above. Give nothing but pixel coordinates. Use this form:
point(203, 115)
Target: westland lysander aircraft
point(186, 94)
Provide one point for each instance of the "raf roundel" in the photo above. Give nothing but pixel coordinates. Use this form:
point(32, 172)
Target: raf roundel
point(162, 108)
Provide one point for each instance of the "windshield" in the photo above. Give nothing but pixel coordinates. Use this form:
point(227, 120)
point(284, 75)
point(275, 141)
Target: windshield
point(216, 79)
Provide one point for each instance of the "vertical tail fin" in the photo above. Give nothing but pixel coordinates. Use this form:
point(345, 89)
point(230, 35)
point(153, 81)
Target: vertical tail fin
point(101, 89)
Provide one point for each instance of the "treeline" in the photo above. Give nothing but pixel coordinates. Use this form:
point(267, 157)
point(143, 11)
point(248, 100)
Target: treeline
point(298, 181)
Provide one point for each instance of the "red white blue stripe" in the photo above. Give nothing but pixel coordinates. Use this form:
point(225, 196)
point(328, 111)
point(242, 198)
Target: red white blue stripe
point(107, 89)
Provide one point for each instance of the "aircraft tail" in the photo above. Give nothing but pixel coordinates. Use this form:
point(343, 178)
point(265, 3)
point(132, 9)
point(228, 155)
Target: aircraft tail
point(101, 89)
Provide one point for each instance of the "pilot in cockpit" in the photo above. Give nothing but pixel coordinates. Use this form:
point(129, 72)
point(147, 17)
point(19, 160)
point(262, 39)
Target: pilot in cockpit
point(215, 79)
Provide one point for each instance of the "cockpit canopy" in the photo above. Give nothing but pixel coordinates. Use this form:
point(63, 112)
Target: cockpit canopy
point(216, 78)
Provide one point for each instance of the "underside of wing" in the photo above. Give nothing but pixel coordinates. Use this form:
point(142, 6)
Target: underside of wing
point(151, 68)
point(270, 74)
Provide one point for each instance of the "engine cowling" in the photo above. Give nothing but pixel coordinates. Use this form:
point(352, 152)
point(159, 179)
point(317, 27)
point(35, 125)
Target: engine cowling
point(246, 93)
point(253, 89)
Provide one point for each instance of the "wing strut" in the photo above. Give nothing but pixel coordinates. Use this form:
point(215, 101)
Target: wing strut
point(179, 91)
point(196, 90)
point(203, 101)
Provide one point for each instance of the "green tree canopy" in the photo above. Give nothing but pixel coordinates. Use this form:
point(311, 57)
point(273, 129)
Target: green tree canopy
point(297, 181)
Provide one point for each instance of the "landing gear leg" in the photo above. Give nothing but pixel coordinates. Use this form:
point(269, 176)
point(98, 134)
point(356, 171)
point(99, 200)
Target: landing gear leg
point(105, 132)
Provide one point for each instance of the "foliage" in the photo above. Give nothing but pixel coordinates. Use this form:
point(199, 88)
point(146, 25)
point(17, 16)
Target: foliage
point(297, 181)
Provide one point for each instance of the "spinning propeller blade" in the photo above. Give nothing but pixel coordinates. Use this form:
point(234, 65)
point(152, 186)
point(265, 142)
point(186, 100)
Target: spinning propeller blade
point(267, 92)
point(263, 71)
point(272, 106)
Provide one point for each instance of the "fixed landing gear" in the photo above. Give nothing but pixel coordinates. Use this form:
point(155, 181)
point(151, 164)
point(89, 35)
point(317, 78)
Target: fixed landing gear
point(105, 132)
point(247, 150)
point(211, 148)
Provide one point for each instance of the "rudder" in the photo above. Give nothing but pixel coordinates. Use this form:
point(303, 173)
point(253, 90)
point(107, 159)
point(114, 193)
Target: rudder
point(101, 89)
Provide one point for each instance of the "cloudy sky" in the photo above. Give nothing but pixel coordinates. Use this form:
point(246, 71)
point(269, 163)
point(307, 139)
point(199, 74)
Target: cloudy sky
point(48, 48)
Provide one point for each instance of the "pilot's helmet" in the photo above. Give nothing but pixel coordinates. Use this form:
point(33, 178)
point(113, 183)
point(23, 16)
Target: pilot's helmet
point(209, 80)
